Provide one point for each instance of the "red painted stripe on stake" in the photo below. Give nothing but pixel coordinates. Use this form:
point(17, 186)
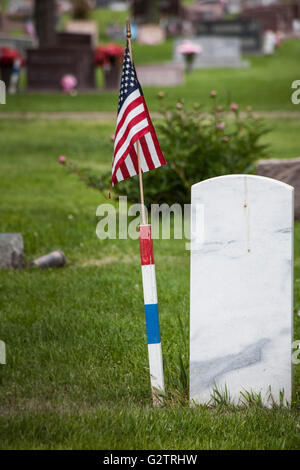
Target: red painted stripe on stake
point(146, 246)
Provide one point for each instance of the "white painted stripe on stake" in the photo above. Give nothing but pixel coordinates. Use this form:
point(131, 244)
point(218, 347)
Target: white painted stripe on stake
point(149, 284)
point(156, 366)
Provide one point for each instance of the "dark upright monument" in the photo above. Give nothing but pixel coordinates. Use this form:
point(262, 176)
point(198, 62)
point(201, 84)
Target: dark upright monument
point(58, 54)
point(247, 29)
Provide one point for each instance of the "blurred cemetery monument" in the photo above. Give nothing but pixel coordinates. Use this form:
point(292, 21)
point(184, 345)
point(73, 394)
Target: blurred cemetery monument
point(155, 21)
point(252, 20)
point(160, 75)
point(58, 54)
point(275, 17)
point(285, 170)
point(12, 21)
point(217, 51)
point(248, 31)
point(81, 24)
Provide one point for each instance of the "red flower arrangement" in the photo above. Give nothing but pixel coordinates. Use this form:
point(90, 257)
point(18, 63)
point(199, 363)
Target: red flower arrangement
point(110, 54)
point(8, 56)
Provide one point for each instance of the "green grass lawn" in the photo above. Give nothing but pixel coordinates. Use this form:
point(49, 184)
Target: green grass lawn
point(77, 369)
point(265, 85)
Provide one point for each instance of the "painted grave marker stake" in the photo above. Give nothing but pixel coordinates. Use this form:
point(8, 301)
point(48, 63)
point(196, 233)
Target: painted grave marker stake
point(136, 150)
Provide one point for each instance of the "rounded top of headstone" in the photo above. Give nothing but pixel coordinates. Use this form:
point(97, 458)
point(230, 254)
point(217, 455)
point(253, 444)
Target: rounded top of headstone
point(242, 177)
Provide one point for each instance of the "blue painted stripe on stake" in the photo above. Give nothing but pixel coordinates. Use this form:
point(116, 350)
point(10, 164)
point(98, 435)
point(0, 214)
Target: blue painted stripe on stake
point(152, 323)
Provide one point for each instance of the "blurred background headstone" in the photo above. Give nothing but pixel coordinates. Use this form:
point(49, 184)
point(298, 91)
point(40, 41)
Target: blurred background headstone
point(160, 75)
point(285, 170)
point(151, 34)
point(84, 27)
point(248, 30)
point(59, 54)
point(216, 52)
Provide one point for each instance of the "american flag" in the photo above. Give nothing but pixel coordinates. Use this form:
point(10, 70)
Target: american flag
point(133, 125)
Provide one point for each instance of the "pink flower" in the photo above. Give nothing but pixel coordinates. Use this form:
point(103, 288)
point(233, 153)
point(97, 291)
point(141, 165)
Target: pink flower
point(234, 107)
point(112, 137)
point(68, 82)
point(62, 159)
point(220, 126)
point(188, 47)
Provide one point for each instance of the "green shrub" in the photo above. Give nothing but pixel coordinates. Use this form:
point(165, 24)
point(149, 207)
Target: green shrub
point(196, 146)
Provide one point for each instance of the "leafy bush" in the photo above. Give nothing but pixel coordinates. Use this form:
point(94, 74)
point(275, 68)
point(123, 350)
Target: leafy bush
point(196, 146)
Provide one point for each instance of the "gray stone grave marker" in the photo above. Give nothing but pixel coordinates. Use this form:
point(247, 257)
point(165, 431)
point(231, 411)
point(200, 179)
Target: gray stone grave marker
point(11, 250)
point(216, 52)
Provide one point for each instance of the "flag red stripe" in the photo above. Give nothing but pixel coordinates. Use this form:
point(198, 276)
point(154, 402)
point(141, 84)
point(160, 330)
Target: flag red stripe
point(154, 138)
point(146, 153)
point(114, 180)
point(132, 123)
point(136, 137)
point(129, 108)
point(158, 149)
point(134, 159)
point(125, 171)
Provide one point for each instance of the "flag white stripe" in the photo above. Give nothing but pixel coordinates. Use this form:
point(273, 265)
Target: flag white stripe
point(152, 150)
point(129, 165)
point(135, 94)
point(119, 175)
point(144, 165)
point(134, 130)
point(135, 112)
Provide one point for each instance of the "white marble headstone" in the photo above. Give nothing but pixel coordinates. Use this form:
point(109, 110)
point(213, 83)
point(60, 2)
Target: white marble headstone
point(241, 288)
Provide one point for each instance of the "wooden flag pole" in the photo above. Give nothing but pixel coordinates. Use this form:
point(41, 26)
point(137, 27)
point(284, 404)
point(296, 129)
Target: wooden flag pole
point(149, 288)
point(128, 33)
